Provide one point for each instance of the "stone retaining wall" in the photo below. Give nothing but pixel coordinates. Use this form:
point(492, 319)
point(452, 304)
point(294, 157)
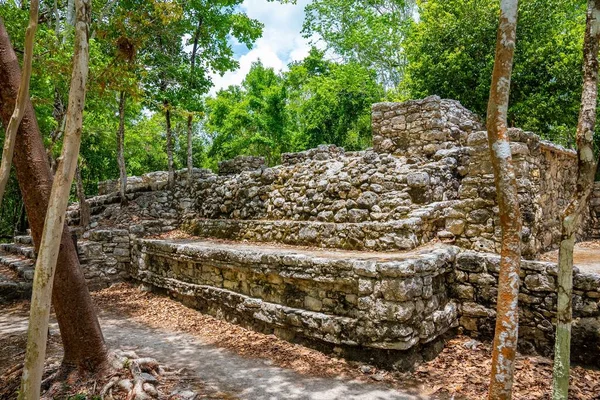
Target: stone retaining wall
point(371, 302)
point(475, 286)
point(105, 256)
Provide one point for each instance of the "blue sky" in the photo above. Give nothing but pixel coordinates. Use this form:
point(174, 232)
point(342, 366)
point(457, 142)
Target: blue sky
point(280, 44)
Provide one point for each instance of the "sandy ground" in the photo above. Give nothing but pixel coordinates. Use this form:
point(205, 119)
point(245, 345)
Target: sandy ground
point(586, 256)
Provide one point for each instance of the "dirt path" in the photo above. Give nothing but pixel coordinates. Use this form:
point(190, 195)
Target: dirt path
point(226, 361)
point(219, 369)
point(245, 378)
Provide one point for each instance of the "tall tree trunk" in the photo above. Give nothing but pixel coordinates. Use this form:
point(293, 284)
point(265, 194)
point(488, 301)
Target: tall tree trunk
point(80, 332)
point(22, 97)
point(507, 317)
point(56, 18)
point(21, 227)
point(190, 119)
point(120, 149)
point(55, 216)
point(586, 163)
point(71, 12)
point(190, 155)
point(84, 206)
point(171, 179)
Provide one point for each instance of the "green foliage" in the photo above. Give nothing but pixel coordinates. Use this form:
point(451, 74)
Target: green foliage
point(249, 119)
point(450, 53)
point(315, 102)
point(369, 32)
point(331, 103)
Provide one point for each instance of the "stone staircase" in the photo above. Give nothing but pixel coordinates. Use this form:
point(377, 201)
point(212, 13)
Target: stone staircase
point(17, 264)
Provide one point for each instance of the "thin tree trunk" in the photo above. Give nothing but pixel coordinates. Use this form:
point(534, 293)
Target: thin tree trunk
point(190, 119)
point(84, 206)
point(71, 12)
point(21, 227)
point(586, 163)
point(59, 115)
point(171, 178)
point(22, 97)
point(55, 217)
point(120, 149)
point(56, 18)
point(190, 155)
point(80, 332)
point(507, 319)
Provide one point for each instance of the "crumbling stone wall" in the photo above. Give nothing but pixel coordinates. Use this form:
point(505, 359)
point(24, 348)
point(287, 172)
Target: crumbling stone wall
point(105, 256)
point(353, 187)
point(419, 128)
point(546, 176)
point(240, 164)
point(378, 199)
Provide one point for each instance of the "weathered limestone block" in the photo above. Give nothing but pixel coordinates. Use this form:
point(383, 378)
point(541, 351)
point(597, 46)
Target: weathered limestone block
point(240, 164)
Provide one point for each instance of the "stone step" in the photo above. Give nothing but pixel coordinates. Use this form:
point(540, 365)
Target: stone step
point(13, 284)
point(397, 235)
point(415, 229)
point(19, 249)
point(23, 267)
point(25, 239)
point(378, 300)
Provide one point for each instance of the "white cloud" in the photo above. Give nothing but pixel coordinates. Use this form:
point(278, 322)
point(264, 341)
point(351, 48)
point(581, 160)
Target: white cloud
point(280, 44)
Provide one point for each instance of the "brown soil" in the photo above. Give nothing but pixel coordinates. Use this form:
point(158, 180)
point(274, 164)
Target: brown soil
point(460, 371)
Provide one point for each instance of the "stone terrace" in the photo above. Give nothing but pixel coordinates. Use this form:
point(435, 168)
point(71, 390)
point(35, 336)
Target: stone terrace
point(379, 254)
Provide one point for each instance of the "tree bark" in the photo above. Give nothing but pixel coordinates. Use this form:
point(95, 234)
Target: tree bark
point(59, 116)
point(190, 119)
point(120, 149)
point(507, 319)
point(190, 155)
point(55, 216)
point(80, 332)
point(586, 170)
point(22, 97)
point(171, 178)
point(84, 206)
point(71, 12)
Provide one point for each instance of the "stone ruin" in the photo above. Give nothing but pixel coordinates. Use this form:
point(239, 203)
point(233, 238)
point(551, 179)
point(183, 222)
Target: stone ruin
point(378, 254)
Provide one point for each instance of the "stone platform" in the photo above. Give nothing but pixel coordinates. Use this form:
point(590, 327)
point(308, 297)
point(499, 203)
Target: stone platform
point(395, 302)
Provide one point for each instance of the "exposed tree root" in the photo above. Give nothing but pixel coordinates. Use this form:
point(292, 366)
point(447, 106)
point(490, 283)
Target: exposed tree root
point(125, 377)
